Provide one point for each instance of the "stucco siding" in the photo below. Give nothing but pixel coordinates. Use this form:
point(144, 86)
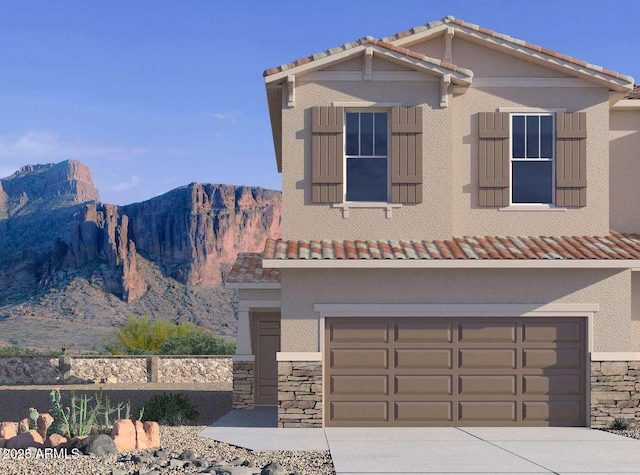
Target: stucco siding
point(471, 219)
point(624, 167)
point(613, 328)
point(259, 294)
point(303, 220)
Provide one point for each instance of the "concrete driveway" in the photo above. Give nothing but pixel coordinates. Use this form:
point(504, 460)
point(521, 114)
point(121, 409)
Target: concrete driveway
point(366, 451)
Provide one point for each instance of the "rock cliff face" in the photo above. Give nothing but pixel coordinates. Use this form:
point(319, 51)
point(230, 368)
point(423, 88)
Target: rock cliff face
point(53, 223)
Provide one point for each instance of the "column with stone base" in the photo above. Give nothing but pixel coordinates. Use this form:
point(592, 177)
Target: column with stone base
point(243, 378)
point(615, 392)
point(299, 394)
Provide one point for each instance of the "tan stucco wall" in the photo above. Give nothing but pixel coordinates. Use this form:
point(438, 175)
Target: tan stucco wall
point(259, 294)
point(613, 328)
point(470, 219)
point(303, 220)
point(624, 150)
point(485, 62)
point(450, 158)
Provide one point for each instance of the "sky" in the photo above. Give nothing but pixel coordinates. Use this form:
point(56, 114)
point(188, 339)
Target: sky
point(153, 95)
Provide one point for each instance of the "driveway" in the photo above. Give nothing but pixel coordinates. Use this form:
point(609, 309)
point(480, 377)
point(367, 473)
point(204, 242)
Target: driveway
point(500, 450)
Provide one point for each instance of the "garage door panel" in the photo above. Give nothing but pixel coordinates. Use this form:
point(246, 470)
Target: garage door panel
point(486, 332)
point(423, 331)
point(359, 411)
point(484, 385)
point(552, 411)
point(455, 371)
point(488, 411)
point(552, 385)
point(549, 332)
point(562, 358)
point(427, 385)
point(355, 385)
point(487, 359)
point(428, 359)
point(365, 331)
point(424, 411)
point(343, 358)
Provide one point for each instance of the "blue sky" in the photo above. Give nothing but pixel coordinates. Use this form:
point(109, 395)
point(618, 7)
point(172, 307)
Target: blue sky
point(156, 94)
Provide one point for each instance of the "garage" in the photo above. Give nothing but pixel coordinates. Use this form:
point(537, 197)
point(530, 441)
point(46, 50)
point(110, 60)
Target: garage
point(467, 371)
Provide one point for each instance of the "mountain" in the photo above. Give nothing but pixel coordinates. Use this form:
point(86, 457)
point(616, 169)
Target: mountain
point(72, 267)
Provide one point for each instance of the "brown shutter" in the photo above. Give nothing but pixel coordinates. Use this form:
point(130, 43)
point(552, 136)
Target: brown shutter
point(493, 159)
point(327, 156)
point(406, 154)
point(571, 159)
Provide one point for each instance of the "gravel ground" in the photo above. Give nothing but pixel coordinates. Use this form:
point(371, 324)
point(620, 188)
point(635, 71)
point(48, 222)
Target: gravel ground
point(633, 432)
point(175, 440)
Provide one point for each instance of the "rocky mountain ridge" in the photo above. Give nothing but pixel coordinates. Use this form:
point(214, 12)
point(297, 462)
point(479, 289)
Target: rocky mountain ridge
point(54, 230)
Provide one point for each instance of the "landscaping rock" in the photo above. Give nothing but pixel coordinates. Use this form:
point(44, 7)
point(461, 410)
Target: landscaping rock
point(2, 443)
point(124, 434)
point(144, 458)
point(54, 441)
point(141, 437)
point(43, 423)
point(8, 430)
point(73, 443)
point(187, 455)
point(100, 444)
point(273, 468)
point(175, 463)
point(161, 453)
point(24, 440)
point(152, 431)
point(118, 471)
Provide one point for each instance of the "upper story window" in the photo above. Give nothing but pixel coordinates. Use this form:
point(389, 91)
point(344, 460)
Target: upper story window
point(367, 156)
point(532, 158)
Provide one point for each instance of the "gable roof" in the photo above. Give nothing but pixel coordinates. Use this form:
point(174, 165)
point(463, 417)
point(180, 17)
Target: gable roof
point(248, 270)
point(614, 247)
point(294, 66)
point(516, 46)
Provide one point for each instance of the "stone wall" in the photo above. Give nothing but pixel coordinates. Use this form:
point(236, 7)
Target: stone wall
point(194, 369)
point(243, 385)
point(299, 394)
point(16, 370)
point(615, 392)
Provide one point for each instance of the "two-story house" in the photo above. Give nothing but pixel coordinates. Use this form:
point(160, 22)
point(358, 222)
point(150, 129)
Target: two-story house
point(458, 210)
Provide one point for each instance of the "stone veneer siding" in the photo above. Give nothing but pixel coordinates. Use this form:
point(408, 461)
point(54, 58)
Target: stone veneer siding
point(615, 392)
point(243, 385)
point(194, 369)
point(299, 394)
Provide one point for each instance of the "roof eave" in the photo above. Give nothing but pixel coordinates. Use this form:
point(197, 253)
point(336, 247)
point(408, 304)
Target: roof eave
point(451, 263)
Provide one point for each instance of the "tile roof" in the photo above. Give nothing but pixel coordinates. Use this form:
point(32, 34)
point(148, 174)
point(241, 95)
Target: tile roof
point(635, 94)
point(365, 41)
point(248, 270)
point(613, 246)
point(509, 39)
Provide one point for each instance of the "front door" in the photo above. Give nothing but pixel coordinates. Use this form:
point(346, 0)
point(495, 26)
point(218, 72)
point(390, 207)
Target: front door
point(266, 341)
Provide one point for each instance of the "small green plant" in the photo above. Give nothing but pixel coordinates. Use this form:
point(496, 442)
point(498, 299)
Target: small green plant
point(169, 409)
point(620, 424)
point(33, 417)
point(197, 343)
point(144, 336)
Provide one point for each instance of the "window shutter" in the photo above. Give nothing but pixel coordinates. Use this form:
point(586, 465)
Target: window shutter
point(571, 159)
point(327, 155)
point(493, 159)
point(406, 154)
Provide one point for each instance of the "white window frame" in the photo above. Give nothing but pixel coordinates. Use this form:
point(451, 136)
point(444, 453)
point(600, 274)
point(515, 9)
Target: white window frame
point(346, 157)
point(552, 159)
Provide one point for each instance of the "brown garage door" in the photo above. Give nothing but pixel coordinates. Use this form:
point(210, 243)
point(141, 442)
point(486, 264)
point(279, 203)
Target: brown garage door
point(455, 371)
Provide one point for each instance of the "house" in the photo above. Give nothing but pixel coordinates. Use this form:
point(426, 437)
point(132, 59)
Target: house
point(458, 240)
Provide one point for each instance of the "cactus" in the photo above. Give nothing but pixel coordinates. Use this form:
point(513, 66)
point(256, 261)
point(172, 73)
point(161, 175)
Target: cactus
point(33, 417)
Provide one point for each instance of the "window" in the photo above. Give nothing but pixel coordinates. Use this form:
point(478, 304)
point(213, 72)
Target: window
point(532, 157)
point(367, 156)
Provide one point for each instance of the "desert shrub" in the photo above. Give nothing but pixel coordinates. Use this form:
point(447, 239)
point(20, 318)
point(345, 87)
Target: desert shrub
point(15, 350)
point(144, 336)
point(169, 409)
point(621, 424)
point(197, 343)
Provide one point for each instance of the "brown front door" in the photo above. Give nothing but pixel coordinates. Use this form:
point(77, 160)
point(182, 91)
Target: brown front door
point(266, 341)
point(455, 371)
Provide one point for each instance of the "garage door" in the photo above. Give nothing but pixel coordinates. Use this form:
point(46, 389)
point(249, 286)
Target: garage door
point(455, 371)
